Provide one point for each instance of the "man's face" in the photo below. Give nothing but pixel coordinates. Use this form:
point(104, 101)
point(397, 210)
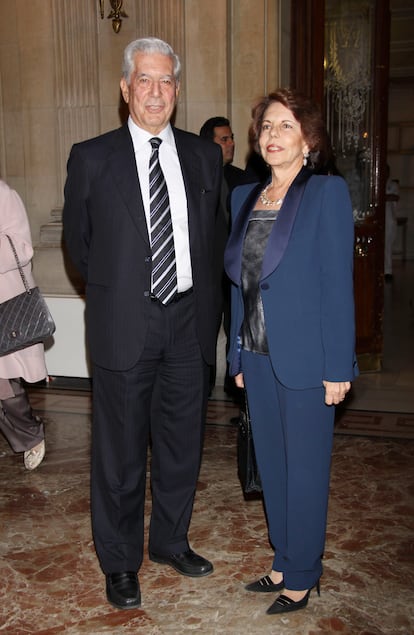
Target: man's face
point(152, 92)
point(224, 137)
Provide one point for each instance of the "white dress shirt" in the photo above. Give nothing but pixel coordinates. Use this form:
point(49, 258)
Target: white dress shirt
point(171, 168)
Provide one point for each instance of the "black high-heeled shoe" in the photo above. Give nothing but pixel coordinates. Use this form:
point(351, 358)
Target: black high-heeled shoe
point(265, 585)
point(284, 604)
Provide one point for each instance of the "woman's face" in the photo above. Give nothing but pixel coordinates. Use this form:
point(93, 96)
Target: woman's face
point(281, 142)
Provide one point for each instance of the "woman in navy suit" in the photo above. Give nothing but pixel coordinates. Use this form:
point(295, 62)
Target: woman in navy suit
point(290, 259)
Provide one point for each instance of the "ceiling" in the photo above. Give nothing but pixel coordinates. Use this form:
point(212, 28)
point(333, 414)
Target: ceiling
point(402, 41)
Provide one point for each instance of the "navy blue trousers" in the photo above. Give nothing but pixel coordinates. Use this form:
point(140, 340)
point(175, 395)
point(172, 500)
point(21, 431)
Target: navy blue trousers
point(293, 435)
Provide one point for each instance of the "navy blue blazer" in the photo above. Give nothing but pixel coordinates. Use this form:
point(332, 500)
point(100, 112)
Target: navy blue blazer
point(306, 281)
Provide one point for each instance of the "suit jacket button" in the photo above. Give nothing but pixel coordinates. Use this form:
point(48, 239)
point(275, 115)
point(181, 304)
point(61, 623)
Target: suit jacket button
point(264, 286)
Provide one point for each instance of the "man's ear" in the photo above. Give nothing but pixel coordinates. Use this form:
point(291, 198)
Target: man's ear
point(124, 89)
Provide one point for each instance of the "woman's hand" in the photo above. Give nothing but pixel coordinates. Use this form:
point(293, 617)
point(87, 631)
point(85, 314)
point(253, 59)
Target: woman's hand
point(335, 391)
point(239, 381)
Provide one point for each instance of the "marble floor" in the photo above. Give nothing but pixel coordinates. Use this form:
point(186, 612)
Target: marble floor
point(392, 389)
point(51, 582)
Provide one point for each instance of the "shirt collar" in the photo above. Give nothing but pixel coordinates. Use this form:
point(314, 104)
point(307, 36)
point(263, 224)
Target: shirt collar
point(140, 137)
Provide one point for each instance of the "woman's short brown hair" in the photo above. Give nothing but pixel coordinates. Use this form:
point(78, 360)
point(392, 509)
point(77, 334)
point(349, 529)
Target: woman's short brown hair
point(307, 113)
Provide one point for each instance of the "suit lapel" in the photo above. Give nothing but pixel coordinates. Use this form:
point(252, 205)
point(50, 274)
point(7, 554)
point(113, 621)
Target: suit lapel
point(123, 168)
point(193, 183)
point(279, 235)
point(234, 250)
point(282, 228)
point(189, 169)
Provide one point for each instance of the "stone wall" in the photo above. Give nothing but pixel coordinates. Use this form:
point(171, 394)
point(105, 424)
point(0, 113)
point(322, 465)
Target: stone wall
point(60, 66)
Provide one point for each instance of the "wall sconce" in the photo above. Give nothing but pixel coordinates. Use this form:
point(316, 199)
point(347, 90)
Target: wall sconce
point(116, 14)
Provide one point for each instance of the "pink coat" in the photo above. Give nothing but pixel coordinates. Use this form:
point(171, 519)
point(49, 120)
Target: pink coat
point(28, 363)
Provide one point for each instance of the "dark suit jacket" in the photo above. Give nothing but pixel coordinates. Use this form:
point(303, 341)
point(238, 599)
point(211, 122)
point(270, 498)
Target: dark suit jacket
point(235, 176)
point(107, 238)
point(306, 281)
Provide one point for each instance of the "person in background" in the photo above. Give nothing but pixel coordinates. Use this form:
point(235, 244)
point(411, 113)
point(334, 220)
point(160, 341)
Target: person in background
point(392, 196)
point(218, 129)
point(22, 429)
point(290, 260)
point(139, 222)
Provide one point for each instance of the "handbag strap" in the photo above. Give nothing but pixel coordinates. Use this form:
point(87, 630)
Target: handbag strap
point(19, 266)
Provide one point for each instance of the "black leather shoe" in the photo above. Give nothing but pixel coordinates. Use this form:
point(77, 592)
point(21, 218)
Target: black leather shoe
point(122, 590)
point(187, 563)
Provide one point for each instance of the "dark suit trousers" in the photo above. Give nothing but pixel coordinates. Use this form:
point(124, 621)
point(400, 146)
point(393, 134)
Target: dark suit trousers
point(293, 435)
point(163, 399)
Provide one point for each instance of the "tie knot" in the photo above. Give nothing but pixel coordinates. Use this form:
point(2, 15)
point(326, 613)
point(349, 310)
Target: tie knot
point(155, 142)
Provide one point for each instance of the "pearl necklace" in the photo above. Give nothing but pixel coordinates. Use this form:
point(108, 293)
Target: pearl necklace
point(267, 201)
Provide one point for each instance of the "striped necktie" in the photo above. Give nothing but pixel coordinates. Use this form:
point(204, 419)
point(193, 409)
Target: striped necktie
point(164, 272)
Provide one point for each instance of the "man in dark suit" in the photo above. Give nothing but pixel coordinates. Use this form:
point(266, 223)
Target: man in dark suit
point(150, 352)
point(218, 129)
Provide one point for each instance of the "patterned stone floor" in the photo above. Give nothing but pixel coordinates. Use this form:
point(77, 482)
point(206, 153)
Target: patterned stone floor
point(51, 581)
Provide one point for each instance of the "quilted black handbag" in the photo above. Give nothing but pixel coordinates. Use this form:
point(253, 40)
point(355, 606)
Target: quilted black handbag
point(24, 319)
point(246, 457)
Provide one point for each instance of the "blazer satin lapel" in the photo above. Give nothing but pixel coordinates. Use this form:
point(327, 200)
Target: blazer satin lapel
point(234, 251)
point(282, 228)
point(124, 170)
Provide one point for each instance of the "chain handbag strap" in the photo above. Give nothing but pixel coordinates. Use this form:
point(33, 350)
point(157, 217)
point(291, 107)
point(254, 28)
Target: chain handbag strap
point(19, 266)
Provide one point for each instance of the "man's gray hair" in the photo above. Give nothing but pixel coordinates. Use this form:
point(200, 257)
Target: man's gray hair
point(148, 45)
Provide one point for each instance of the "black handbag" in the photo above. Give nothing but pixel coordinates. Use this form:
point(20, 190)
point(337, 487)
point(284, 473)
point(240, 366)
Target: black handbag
point(24, 319)
point(246, 457)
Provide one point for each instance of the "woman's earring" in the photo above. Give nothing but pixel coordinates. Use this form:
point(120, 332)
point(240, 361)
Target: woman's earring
point(305, 159)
